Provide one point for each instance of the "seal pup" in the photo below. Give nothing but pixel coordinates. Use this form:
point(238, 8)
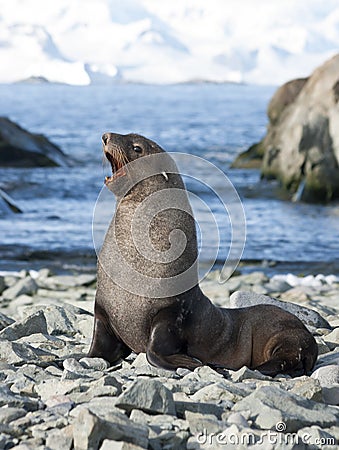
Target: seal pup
point(183, 329)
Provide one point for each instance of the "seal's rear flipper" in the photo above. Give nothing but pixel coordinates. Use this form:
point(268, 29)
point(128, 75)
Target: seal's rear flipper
point(292, 366)
point(293, 352)
point(105, 343)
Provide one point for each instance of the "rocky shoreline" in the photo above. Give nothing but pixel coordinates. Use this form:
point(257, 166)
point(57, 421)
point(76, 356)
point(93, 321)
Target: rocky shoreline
point(53, 397)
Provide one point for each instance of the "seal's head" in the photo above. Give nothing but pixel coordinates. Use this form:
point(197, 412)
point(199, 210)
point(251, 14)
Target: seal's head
point(122, 149)
point(138, 163)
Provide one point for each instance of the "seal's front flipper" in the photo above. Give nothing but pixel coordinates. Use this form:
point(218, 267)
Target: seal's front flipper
point(105, 343)
point(222, 370)
point(166, 346)
point(172, 362)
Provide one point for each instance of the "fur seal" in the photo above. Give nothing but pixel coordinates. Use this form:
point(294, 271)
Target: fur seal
point(183, 329)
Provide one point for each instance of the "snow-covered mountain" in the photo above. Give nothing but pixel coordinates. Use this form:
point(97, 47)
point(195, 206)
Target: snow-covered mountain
point(167, 41)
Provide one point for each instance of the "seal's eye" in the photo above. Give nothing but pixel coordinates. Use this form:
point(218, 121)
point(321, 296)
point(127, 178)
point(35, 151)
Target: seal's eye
point(137, 149)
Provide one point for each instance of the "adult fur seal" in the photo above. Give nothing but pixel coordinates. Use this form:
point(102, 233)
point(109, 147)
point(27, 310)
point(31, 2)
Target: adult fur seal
point(184, 329)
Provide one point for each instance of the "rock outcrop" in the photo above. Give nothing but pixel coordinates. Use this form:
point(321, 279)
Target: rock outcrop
point(19, 148)
point(301, 147)
point(252, 158)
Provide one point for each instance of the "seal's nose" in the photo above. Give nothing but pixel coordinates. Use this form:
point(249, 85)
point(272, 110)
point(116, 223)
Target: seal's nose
point(105, 138)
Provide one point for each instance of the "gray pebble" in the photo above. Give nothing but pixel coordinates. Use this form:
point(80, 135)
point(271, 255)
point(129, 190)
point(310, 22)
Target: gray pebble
point(89, 430)
point(270, 405)
point(14, 353)
point(184, 403)
point(35, 323)
point(94, 363)
point(25, 286)
point(199, 422)
point(147, 395)
point(60, 439)
point(5, 321)
point(332, 339)
point(9, 399)
point(327, 375)
point(108, 444)
point(245, 373)
point(328, 359)
point(8, 414)
point(237, 419)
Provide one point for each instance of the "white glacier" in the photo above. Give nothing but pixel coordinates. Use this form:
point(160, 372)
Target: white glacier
point(28, 51)
point(168, 41)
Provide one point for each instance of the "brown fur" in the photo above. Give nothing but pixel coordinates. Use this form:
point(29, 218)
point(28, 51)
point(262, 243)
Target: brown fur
point(184, 330)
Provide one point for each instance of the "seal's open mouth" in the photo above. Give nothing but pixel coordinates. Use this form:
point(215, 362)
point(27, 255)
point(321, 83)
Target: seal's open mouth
point(117, 165)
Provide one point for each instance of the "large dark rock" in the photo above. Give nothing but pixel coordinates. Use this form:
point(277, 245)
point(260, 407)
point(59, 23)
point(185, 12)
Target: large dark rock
point(301, 147)
point(250, 159)
point(19, 148)
point(284, 96)
point(302, 143)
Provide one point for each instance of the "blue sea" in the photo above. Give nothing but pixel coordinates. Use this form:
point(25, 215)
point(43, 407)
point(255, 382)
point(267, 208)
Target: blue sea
point(212, 121)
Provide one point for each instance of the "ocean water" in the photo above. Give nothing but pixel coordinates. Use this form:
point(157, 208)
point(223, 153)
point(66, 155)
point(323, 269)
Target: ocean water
point(214, 122)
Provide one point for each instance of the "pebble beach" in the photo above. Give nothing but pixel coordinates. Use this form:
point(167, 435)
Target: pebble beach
point(260, 164)
point(53, 397)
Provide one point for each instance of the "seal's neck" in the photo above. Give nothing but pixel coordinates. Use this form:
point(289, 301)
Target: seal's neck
point(157, 229)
